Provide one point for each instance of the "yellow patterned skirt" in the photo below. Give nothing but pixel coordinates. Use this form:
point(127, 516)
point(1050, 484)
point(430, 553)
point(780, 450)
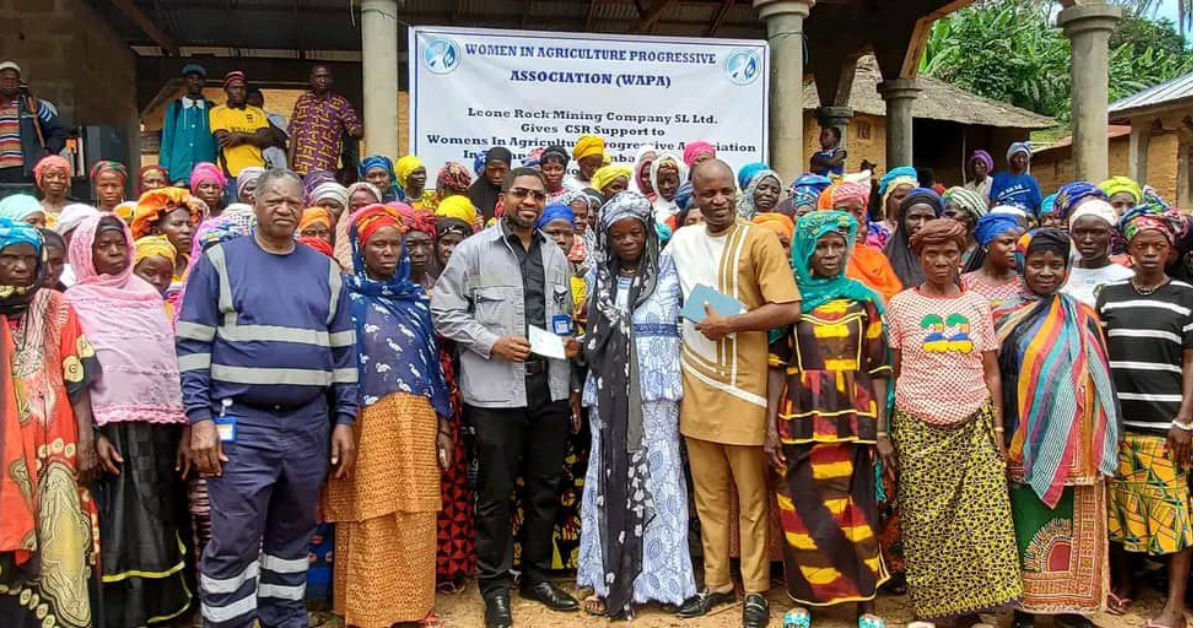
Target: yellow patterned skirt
point(1149, 503)
point(386, 514)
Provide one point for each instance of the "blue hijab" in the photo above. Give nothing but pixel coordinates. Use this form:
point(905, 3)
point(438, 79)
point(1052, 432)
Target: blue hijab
point(397, 348)
point(393, 192)
point(557, 211)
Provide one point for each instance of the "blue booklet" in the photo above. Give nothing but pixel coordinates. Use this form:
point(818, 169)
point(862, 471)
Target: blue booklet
point(722, 303)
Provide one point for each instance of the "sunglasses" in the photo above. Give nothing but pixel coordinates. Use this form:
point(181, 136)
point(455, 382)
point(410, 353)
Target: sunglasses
point(522, 193)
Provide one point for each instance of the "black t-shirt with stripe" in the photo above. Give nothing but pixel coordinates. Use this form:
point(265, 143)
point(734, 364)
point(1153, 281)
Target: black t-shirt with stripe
point(1147, 335)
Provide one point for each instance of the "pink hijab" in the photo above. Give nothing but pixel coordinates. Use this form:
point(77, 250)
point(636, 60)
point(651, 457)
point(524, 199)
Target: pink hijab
point(122, 316)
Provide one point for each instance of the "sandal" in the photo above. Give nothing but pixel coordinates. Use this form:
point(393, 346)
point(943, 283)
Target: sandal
point(867, 620)
point(797, 618)
point(595, 606)
point(1117, 605)
point(431, 621)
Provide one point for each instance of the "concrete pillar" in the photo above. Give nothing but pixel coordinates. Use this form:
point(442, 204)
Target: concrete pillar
point(837, 118)
point(381, 77)
point(1139, 150)
point(785, 36)
point(899, 95)
point(1089, 26)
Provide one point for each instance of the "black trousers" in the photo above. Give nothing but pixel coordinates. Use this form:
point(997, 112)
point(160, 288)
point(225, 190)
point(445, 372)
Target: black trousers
point(529, 442)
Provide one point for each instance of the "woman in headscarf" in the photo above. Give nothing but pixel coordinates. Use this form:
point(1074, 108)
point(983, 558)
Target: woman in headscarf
point(453, 180)
point(827, 388)
point(967, 207)
point(377, 170)
point(698, 152)
point(665, 176)
point(634, 546)
point(451, 232)
point(761, 193)
point(642, 160)
point(979, 177)
point(313, 179)
point(386, 512)
point(1016, 186)
point(137, 407)
point(485, 191)
point(894, 186)
point(1148, 325)
point(779, 224)
point(1123, 193)
point(992, 272)
point(23, 208)
point(588, 154)
point(247, 183)
point(420, 231)
point(331, 195)
point(47, 451)
point(806, 189)
point(360, 194)
point(52, 174)
point(867, 263)
point(208, 184)
point(1061, 428)
point(1093, 227)
point(959, 548)
point(108, 184)
point(919, 206)
point(168, 212)
point(154, 262)
point(1066, 200)
point(412, 175)
point(316, 222)
point(611, 179)
point(56, 259)
point(151, 177)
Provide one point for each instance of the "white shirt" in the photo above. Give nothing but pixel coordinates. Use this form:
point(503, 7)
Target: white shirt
point(1084, 283)
point(983, 188)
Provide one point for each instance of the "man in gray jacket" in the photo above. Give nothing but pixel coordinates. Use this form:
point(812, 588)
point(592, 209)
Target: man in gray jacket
point(498, 284)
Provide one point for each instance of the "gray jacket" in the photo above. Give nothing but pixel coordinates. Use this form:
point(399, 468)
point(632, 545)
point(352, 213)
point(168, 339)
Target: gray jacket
point(479, 298)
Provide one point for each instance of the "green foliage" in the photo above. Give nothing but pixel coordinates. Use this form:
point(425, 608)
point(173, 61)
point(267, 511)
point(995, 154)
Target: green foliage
point(1010, 50)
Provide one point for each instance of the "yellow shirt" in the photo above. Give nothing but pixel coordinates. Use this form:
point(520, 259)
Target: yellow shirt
point(248, 120)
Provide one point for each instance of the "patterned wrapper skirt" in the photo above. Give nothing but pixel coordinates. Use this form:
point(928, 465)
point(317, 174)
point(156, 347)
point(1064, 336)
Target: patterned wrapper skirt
point(831, 553)
point(143, 521)
point(959, 544)
point(1063, 550)
point(1149, 502)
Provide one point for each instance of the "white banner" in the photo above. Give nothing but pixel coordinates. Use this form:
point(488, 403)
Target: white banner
point(471, 89)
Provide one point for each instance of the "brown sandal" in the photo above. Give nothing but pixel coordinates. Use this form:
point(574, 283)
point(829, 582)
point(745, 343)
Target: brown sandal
point(595, 606)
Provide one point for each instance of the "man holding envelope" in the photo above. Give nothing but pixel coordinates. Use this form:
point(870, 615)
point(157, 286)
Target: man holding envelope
point(503, 298)
point(736, 285)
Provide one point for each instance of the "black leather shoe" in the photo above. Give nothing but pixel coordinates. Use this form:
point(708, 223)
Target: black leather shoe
point(553, 597)
point(700, 604)
point(757, 613)
point(497, 611)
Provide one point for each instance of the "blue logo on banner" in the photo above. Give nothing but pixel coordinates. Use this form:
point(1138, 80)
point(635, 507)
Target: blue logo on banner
point(743, 67)
point(441, 55)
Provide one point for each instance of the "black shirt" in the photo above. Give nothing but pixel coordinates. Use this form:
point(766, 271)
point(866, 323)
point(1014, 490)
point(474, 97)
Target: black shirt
point(533, 274)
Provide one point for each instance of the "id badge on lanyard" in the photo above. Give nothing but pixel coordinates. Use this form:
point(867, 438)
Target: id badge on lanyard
point(226, 423)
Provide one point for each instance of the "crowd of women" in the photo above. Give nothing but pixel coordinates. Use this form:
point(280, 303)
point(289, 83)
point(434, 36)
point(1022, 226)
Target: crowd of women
point(985, 398)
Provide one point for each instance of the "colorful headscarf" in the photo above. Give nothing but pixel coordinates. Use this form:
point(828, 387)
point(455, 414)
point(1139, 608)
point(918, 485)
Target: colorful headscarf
point(1019, 147)
point(1061, 394)
point(840, 191)
point(936, 232)
point(123, 318)
point(992, 226)
point(330, 190)
point(692, 150)
point(205, 171)
point(889, 177)
point(1147, 218)
point(48, 163)
point(248, 175)
point(983, 156)
point(746, 174)
point(1071, 195)
point(1122, 185)
point(320, 245)
point(14, 300)
point(315, 216)
point(18, 207)
point(778, 223)
point(380, 162)
point(156, 204)
point(480, 163)
point(817, 291)
point(416, 220)
point(243, 215)
point(1096, 208)
point(554, 212)
point(683, 197)
point(142, 176)
point(455, 178)
point(607, 174)
point(151, 245)
point(642, 162)
point(966, 199)
point(407, 165)
point(107, 165)
point(807, 188)
point(745, 205)
point(397, 346)
point(459, 207)
point(587, 146)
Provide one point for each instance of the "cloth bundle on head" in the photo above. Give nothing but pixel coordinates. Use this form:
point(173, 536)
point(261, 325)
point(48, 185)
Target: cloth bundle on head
point(249, 175)
point(458, 207)
point(981, 155)
point(152, 245)
point(14, 300)
point(1061, 395)
point(156, 205)
point(966, 199)
point(330, 191)
point(405, 166)
point(1071, 195)
point(840, 191)
point(123, 318)
point(807, 188)
point(746, 174)
point(554, 212)
point(48, 163)
point(1094, 208)
point(315, 216)
point(554, 154)
point(1019, 147)
point(992, 226)
point(72, 215)
point(587, 146)
point(779, 224)
point(694, 149)
point(456, 179)
point(18, 207)
point(107, 165)
point(607, 174)
point(1122, 185)
point(205, 171)
point(745, 204)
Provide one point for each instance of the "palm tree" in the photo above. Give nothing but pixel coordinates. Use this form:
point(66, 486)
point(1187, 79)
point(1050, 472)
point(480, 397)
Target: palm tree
point(1145, 7)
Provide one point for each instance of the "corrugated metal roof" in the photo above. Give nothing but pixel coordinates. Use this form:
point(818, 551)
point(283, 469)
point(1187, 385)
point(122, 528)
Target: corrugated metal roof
point(1175, 90)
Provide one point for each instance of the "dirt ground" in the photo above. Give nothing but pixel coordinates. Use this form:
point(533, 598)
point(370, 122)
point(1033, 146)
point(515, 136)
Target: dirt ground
point(465, 610)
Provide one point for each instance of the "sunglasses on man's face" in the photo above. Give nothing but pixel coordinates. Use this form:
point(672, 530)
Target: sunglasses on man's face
point(521, 193)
